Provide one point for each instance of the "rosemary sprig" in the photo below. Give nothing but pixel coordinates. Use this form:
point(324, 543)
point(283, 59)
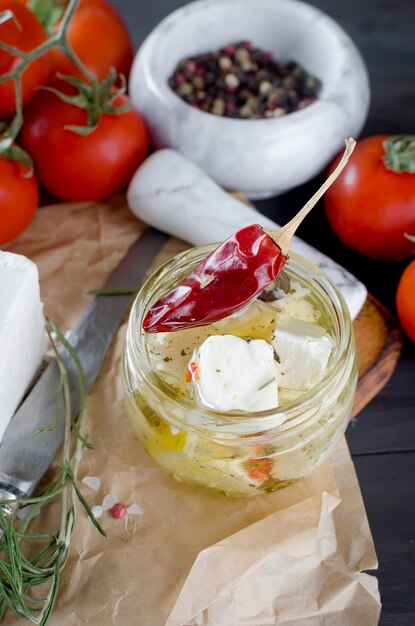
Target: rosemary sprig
point(31, 562)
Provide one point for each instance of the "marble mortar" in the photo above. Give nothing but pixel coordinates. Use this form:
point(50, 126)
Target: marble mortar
point(259, 157)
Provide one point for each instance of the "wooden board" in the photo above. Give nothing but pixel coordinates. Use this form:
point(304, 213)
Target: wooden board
point(379, 344)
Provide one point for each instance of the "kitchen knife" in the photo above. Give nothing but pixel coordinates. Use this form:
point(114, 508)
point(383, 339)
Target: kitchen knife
point(26, 454)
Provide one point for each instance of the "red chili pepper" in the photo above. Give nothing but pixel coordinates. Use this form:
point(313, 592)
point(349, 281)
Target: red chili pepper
point(234, 273)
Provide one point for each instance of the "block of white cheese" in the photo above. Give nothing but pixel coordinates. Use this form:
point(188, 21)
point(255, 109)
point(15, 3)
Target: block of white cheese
point(229, 373)
point(22, 331)
point(303, 350)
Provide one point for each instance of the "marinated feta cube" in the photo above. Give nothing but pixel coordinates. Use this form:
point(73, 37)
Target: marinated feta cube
point(22, 331)
point(303, 350)
point(229, 373)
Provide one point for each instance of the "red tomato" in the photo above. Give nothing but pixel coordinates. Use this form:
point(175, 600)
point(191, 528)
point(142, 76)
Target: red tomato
point(370, 207)
point(19, 198)
point(100, 38)
point(405, 300)
point(25, 33)
point(75, 167)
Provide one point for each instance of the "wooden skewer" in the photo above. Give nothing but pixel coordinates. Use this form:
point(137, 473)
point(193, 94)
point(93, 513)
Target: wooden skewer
point(283, 236)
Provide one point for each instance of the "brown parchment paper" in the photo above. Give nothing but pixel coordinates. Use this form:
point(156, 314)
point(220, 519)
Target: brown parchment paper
point(293, 557)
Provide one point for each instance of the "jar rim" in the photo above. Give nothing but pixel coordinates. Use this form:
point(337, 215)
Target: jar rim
point(264, 420)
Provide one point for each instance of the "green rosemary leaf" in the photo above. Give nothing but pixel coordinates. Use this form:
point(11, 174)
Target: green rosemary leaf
point(51, 599)
point(89, 511)
point(81, 381)
point(3, 607)
point(5, 596)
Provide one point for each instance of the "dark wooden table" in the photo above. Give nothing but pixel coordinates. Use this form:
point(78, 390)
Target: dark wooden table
point(382, 439)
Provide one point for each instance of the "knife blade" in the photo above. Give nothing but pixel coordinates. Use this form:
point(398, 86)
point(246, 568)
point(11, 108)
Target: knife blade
point(26, 454)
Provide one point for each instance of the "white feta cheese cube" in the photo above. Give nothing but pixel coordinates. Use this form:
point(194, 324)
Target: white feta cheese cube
point(229, 373)
point(22, 331)
point(295, 304)
point(303, 350)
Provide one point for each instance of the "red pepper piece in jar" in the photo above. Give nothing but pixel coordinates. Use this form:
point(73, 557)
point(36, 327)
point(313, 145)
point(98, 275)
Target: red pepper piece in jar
point(259, 469)
point(192, 371)
point(234, 273)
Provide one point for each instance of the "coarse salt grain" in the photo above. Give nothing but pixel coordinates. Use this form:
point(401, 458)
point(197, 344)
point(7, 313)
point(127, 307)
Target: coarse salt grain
point(97, 511)
point(93, 482)
point(135, 509)
point(109, 501)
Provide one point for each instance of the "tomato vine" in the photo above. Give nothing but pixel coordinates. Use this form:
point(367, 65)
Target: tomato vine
point(93, 96)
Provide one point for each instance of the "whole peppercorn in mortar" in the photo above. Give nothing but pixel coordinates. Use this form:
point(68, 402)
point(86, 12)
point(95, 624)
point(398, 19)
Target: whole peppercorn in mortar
point(244, 82)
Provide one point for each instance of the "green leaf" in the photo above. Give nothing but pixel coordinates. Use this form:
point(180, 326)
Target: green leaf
point(79, 83)
point(117, 110)
point(121, 89)
point(89, 511)
point(49, 12)
point(399, 154)
point(6, 142)
point(84, 131)
point(107, 84)
point(16, 153)
point(78, 100)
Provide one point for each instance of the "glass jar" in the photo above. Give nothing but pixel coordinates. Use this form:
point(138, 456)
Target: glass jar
point(232, 452)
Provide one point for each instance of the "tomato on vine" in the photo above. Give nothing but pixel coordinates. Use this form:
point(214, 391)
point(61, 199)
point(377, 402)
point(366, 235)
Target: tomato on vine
point(372, 204)
point(19, 197)
point(22, 31)
point(405, 298)
point(96, 33)
point(84, 146)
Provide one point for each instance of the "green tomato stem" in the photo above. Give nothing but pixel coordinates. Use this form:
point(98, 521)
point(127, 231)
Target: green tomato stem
point(399, 154)
point(15, 51)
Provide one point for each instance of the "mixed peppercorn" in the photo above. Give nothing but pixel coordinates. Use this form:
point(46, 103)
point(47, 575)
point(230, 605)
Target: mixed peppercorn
point(242, 81)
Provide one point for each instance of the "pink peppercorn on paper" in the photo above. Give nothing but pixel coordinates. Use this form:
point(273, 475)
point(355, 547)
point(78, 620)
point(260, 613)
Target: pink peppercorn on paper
point(297, 557)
